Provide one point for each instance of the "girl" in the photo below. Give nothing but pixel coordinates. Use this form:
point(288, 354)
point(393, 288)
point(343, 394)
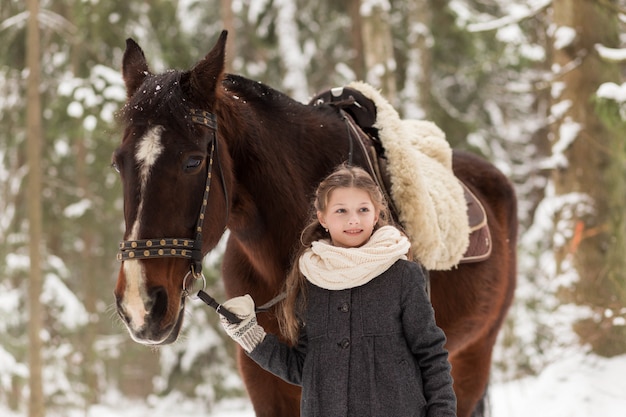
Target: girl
point(361, 330)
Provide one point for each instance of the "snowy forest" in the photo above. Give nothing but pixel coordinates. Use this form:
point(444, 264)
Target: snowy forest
point(538, 88)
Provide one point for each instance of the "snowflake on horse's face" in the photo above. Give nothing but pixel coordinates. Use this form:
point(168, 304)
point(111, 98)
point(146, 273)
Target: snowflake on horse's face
point(269, 153)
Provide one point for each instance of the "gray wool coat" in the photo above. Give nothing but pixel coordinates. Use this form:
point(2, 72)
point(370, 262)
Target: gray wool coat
point(372, 350)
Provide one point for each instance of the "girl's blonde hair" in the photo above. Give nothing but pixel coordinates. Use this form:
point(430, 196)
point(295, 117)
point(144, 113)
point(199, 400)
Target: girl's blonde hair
point(345, 176)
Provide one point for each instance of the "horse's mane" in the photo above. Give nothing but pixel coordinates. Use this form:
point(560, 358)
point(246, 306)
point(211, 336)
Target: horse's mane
point(255, 92)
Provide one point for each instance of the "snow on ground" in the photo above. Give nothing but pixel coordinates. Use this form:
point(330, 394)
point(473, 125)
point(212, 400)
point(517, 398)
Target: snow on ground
point(232, 409)
point(575, 386)
point(128, 408)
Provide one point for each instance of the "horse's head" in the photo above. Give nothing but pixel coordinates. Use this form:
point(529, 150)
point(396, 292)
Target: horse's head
point(174, 171)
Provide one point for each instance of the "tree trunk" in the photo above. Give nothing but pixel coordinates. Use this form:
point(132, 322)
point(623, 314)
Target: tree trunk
point(34, 142)
point(416, 102)
point(593, 165)
point(380, 64)
point(356, 38)
point(90, 290)
point(228, 21)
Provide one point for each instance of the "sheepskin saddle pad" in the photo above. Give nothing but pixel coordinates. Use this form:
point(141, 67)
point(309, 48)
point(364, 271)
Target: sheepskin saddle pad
point(431, 203)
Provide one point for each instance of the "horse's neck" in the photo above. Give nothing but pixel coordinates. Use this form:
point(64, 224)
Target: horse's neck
point(272, 133)
point(267, 205)
point(277, 164)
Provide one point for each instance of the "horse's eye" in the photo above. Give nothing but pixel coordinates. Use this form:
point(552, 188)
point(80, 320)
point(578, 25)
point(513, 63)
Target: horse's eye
point(115, 166)
point(193, 162)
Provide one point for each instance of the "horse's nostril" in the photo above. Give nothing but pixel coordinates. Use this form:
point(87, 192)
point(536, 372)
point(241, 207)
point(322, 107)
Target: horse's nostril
point(158, 295)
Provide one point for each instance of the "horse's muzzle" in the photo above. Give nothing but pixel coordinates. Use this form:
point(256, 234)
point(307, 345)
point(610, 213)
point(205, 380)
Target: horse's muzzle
point(151, 324)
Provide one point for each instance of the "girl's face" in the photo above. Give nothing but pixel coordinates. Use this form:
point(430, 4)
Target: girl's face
point(350, 217)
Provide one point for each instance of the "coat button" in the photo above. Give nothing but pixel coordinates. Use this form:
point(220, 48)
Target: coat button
point(344, 344)
point(344, 308)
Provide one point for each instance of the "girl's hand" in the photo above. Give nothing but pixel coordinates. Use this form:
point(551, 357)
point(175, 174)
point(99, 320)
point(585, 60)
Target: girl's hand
point(247, 333)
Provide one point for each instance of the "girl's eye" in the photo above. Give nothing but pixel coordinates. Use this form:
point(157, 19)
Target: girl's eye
point(364, 210)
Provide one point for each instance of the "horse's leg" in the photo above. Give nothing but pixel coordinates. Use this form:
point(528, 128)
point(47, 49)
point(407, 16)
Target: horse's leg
point(270, 396)
point(470, 371)
point(471, 312)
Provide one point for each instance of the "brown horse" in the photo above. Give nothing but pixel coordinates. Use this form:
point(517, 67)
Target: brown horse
point(256, 155)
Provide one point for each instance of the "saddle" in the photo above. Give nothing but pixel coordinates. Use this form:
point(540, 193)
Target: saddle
point(360, 114)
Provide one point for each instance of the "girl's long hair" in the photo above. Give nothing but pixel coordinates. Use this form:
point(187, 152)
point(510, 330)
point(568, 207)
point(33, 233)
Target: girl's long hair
point(290, 311)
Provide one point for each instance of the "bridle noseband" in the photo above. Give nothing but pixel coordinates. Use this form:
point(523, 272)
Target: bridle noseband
point(181, 247)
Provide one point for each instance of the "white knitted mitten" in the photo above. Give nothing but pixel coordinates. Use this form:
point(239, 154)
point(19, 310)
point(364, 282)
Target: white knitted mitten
point(248, 333)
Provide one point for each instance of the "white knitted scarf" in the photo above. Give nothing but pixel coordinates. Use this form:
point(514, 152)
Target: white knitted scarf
point(336, 268)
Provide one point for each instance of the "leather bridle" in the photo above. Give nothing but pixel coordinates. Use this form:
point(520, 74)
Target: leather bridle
point(186, 248)
point(192, 248)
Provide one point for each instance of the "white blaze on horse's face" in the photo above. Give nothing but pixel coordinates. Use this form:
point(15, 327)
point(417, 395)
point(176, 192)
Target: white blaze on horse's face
point(148, 150)
point(135, 296)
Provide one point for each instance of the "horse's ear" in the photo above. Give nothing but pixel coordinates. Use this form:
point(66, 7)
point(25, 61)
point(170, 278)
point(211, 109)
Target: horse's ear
point(134, 67)
point(207, 73)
